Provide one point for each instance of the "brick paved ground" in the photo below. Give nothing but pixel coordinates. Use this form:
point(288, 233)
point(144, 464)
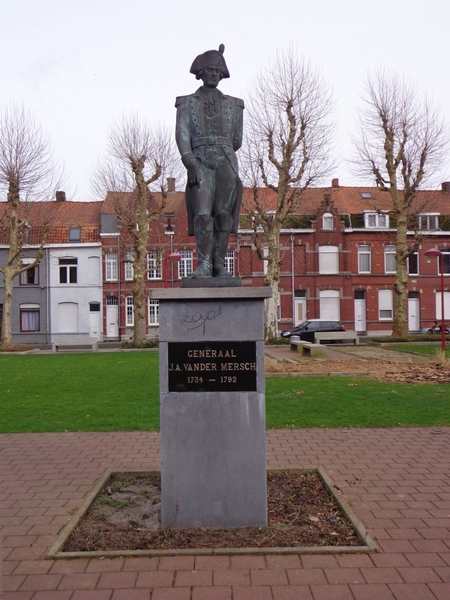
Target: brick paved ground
point(396, 479)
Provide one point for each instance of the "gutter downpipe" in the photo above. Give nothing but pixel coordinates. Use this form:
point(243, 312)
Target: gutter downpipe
point(47, 266)
point(292, 279)
point(118, 286)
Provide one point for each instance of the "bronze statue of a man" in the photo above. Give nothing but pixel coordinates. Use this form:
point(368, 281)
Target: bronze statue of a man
point(208, 133)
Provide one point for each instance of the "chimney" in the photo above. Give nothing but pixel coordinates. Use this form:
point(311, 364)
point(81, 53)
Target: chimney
point(60, 196)
point(171, 184)
point(446, 186)
point(335, 182)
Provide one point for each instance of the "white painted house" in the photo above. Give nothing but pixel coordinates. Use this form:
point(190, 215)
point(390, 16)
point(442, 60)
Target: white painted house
point(75, 284)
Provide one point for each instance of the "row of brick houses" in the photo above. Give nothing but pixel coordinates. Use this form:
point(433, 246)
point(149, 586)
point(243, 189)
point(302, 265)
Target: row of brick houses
point(338, 262)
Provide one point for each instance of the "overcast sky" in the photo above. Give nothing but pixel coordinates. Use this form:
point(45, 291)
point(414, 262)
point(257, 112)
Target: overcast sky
point(79, 64)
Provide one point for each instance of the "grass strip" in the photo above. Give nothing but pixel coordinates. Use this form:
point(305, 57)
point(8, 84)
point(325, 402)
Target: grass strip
point(119, 391)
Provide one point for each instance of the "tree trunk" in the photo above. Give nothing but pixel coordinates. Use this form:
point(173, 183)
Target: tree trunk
point(272, 280)
point(6, 339)
point(399, 328)
point(271, 314)
point(139, 298)
point(10, 270)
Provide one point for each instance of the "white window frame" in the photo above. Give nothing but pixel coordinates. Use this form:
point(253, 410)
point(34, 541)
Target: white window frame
point(228, 261)
point(111, 266)
point(186, 263)
point(327, 222)
point(25, 275)
point(129, 311)
point(411, 274)
point(153, 312)
point(385, 305)
point(70, 267)
point(364, 250)
point(446, 259)
point(428, 221)
point(154, 265)
point(129, 268)
point(328, 260)
point(265, 253)
point(389, 257)
point(374, 220)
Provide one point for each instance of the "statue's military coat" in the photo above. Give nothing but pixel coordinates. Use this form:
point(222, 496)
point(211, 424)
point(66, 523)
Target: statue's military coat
point(194, 139)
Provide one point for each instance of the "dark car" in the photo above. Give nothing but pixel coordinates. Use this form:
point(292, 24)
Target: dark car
point(307, 329)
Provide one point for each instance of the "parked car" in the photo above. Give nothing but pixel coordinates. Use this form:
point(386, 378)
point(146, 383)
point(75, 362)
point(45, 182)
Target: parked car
point(307, 329)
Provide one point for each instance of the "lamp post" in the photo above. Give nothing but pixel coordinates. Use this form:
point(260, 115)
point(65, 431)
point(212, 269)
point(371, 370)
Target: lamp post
point(172, 258)
point(436, 252)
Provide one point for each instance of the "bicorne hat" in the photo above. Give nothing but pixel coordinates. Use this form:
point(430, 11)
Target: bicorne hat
point(210, 58)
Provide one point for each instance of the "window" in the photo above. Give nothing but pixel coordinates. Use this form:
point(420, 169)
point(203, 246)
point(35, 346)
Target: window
point(111, 266)
point(265, 253)
point(327, 222)
point(129, 270)
point(385, 305)
point(374, 220)
point(446, 259)
point(229, 261)
point(185, 264)
point(147, 226)
point(30, 276)
point(366, 195)
point(428, 222)
point(153, 312)
point(129, 311)
point(413, 264)
point(68, 270)
point(383, 221)
point(154, 265)
point(29, 317)
point(74, 234)
point(364, 265)
point(390, 263)
point(328, 260)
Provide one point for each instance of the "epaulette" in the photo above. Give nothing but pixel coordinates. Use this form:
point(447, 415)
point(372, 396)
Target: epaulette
point(181, 100)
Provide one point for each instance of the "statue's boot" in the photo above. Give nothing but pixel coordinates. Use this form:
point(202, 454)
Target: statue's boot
point(222, 228)
point(204, 236)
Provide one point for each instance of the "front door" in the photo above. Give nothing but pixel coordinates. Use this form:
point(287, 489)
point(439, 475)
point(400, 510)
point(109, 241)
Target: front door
point(300, 311)
point(94, 320)
point(112, 317)
point(413, 314)
point(360, 311)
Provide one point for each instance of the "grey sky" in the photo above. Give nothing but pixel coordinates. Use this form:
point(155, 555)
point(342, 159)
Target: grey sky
point(79, 64)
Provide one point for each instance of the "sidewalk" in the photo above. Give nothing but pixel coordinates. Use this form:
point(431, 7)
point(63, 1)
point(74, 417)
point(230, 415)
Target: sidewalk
point(397, 481)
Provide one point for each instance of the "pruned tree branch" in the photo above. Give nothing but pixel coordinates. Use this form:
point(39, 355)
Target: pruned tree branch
point(287, 148)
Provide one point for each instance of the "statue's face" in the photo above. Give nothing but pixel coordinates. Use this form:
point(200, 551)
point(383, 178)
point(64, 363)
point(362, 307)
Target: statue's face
point(211, 76)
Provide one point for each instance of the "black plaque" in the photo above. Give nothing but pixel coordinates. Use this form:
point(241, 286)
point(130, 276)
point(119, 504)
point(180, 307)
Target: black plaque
point(212, 366)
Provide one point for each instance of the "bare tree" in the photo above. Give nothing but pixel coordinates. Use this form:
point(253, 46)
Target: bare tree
point(401, 143)
point(139, 159)
point(287, 147)
point(28, 172)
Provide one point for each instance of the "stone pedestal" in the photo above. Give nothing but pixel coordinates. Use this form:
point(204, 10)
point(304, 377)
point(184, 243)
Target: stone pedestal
point(213, 459)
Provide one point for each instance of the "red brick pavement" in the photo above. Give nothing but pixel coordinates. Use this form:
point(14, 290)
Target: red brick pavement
point(397, 480)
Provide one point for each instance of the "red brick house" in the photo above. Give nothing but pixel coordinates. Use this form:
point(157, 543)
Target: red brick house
point(338, 259)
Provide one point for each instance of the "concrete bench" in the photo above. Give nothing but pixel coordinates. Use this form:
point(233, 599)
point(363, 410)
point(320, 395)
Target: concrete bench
point(307, 348)
point(336, 335)
point(75, 341)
